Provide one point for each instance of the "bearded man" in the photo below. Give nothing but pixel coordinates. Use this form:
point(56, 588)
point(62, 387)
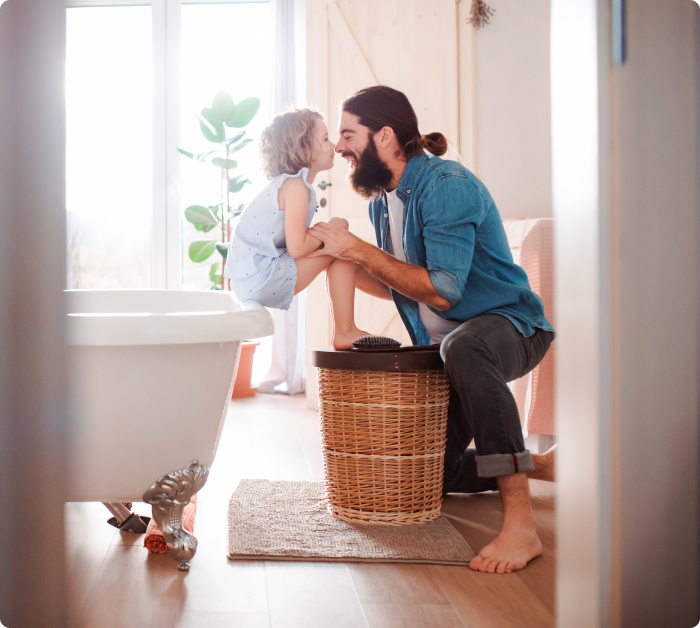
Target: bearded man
point(442, 255)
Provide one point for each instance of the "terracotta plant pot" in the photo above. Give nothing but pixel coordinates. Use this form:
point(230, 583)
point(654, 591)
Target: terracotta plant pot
point(242, 387)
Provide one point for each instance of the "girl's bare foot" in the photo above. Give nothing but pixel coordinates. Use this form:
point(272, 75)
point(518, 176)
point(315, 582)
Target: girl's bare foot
point(344, 340)
point(544, 465)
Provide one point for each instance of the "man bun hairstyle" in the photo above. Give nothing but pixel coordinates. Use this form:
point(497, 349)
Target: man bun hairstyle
point(286, 143)
point(435, 143)
point(381, 106)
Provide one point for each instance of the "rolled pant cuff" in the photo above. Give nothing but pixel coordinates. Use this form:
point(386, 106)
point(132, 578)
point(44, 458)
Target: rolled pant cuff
point(503, 464)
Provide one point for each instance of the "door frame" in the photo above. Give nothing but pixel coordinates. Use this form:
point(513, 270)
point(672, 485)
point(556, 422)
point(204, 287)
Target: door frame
point(582, 218)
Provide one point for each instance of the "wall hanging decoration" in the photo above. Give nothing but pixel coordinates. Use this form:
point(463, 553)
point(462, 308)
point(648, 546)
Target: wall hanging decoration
point(480, 14)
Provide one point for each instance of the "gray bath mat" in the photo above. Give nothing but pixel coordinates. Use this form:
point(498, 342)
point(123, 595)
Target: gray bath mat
point(289, 521)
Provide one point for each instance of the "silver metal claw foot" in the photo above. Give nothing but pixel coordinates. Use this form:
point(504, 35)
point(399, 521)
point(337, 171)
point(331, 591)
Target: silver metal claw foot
point(169, 496)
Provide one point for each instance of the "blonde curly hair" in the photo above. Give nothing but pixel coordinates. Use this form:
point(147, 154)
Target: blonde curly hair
point(286, 143)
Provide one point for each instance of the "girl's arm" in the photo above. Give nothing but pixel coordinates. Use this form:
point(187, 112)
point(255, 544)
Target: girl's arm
point(293, 198)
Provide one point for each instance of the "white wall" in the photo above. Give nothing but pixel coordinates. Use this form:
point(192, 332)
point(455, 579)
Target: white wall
point(513, 107)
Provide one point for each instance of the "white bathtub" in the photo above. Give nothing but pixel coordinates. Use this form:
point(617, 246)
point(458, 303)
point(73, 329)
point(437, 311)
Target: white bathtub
point(151, 374)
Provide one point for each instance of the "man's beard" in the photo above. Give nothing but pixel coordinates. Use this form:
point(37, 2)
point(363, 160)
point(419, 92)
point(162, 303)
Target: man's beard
point(370, 176)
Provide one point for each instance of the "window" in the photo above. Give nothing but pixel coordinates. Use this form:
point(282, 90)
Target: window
point(109, 157)
point(136, 74)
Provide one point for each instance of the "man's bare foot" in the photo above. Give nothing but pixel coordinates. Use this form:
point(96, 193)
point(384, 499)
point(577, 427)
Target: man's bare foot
point(544, 465)
point(517, 543)
point(512, 549)
point(345, 340)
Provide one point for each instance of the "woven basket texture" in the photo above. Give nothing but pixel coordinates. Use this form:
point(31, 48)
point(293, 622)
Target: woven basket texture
point(383, 437)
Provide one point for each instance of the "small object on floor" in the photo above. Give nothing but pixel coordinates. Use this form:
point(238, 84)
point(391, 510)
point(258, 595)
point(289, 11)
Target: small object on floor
point(374, 343)
point(154, 541)
point(137, 524)
point(290, 521)
point(125, 520)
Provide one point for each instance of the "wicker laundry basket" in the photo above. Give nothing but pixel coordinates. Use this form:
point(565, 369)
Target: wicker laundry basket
point(383, 422)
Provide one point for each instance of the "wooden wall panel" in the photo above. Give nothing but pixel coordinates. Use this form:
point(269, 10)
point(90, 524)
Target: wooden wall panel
point(410, 45)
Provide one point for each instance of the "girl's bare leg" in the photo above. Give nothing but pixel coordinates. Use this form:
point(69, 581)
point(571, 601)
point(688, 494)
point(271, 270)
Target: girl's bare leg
point(341, 290)
point(308, 268)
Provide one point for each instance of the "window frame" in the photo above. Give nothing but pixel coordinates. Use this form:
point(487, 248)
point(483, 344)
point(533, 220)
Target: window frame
point(166, 257)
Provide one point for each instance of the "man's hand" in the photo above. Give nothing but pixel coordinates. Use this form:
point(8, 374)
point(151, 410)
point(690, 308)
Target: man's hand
point(411, 281)
point(338, 241)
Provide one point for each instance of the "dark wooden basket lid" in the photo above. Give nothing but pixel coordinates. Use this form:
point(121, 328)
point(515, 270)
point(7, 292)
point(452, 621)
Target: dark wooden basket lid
point(404, 359)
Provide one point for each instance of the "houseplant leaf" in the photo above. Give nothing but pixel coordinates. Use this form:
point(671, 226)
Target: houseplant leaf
point(200, 215)
point(237, 187)
point(186, 152)
point(212, 272)
point(233, 139)
point(243, 112)
point(203, 229)
point(213, 131)
point(234, 212)
point(222, 247)
point(206, 154)
point(222, 107)
point(234, 180)
point(228, 164)
point(201, 250)
point(242, 144)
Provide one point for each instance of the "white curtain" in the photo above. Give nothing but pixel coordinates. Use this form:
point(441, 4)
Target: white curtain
point(288, 371)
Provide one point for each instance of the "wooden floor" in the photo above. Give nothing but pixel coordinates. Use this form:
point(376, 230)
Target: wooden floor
point(116, 582)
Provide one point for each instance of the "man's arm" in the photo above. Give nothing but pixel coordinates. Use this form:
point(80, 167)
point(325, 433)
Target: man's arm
point(369, 284)
point(411, 281)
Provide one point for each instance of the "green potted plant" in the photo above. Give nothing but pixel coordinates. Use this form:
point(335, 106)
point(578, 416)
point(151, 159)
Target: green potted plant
point(223, 124)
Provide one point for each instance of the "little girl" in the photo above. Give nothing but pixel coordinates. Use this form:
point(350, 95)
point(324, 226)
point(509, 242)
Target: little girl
point(267, 256)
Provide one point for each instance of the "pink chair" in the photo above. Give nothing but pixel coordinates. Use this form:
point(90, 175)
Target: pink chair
point(531, 242)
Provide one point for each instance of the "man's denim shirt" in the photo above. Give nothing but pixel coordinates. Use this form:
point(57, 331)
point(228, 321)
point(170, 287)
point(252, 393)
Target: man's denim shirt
point(453, 229)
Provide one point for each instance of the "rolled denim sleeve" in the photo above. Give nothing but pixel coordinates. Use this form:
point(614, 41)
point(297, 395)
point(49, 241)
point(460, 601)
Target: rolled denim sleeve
point(446, 284)
point(451, 212)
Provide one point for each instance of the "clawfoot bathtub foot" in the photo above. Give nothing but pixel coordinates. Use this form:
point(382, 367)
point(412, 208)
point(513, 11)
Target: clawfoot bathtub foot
point(168, 497)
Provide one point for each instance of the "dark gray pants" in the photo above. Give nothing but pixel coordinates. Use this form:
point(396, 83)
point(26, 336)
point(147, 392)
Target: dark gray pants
point(480, 357)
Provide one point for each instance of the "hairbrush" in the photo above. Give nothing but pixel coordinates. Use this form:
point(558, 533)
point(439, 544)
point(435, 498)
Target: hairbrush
point(375, 343)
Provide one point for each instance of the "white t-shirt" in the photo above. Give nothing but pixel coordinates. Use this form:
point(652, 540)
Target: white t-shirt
point(436, 326)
